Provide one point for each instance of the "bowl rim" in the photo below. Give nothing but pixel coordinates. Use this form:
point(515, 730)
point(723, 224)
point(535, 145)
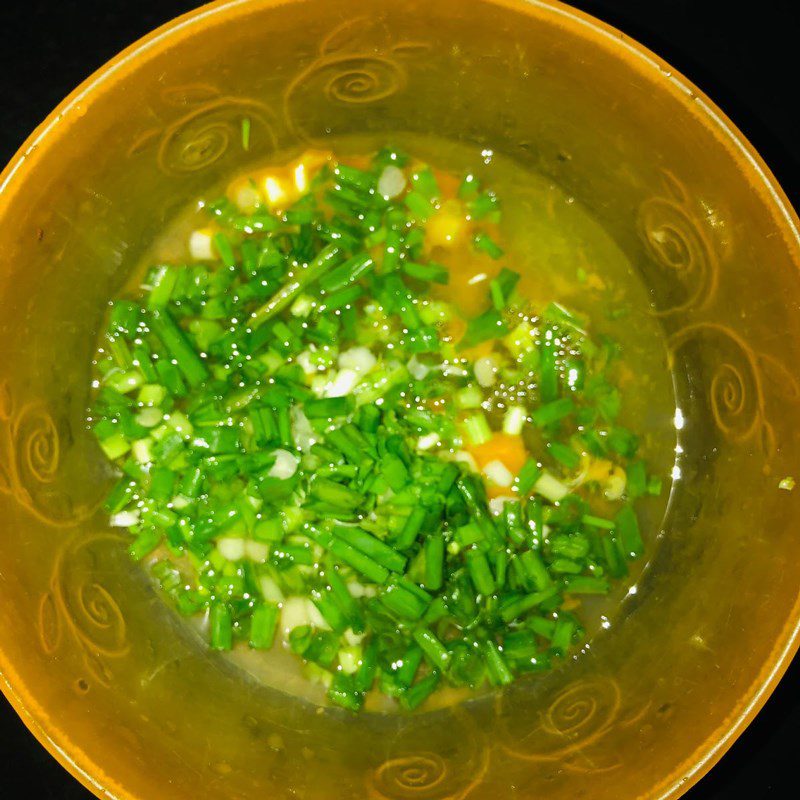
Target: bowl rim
point(688, 772)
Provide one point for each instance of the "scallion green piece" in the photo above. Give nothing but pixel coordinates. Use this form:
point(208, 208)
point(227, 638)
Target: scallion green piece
point(436, 653)
point(343, 692)
point(348, 555)
point(514, 608)
point(417, 694)
point(528, 476)
point(263, 622)
point(564, 454)
point(499, 672)
point(221, 627)
point(480, 573)
point(488, 325)
point(548, 369)
point(368, 544)
point(323, 262)
point(174, 340)
point(328, 407)
point(477, 429)
point(346, 273)
point(162, 283)
point(582, 584)
point(400, 599)
point(485, 244)
point(552, 412)
point(433, 273)
point(628, 531)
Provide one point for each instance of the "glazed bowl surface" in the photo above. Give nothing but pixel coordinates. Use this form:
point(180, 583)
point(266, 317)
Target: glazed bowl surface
point(117, 687)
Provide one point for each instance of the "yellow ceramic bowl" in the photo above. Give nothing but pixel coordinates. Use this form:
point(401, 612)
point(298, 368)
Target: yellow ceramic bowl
point(106, 675)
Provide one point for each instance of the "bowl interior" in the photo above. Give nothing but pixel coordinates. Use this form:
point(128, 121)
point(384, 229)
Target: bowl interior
point(118, 684)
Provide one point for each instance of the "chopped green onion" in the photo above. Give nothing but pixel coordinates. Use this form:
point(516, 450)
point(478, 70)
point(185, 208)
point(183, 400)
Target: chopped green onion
point(417, 694)
point(564, 454)
point(552, 412)
point(488, 325)
point(581, 584)
point(323, 262)
point(221, 626)
point(263, 622)
point(368, 544)
point(328, 408)
point(477, 429)
point(176, 343)
point(480, 573)
point(295, 426)
point(628, 530)
point(400, 599)
point(343, 692)
point(499, 672)
point(528, 477)
point(485, 244)
point(350, 271)
point(431, 272)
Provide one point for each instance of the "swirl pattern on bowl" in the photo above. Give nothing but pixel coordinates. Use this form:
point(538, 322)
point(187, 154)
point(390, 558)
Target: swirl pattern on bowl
point(677, 242)
point(736, 387)
point(209, 127)
point(79, 604)
point(204, 135)
point(447, 772)
point(359, 64)
point(31, 462)
point(577, 717)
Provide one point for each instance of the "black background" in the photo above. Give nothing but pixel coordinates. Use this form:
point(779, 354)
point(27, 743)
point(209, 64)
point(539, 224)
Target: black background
point(744, 56)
